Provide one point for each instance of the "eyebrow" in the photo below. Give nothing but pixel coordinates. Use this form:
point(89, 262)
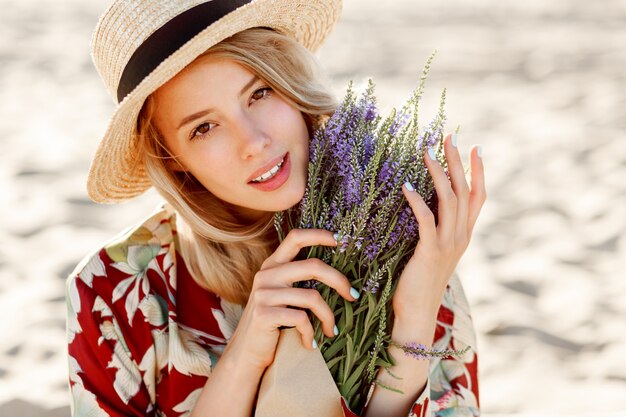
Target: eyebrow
point(204, 112)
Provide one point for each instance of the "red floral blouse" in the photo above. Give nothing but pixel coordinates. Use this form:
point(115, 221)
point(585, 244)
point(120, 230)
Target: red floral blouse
point(134, 350)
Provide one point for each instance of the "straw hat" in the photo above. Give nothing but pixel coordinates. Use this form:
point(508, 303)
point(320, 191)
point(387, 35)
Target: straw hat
point(138, 45)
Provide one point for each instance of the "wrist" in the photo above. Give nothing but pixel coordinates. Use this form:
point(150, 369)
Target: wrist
point(229, 379)
point(421, 312)
point(417, 327)
point(421, 298)
point(240, 368)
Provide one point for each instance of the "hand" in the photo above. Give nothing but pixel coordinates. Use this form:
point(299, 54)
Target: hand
point(440, 247)
point(256, 336)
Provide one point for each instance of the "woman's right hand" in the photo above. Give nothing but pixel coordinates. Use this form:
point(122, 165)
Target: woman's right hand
point(256, 336)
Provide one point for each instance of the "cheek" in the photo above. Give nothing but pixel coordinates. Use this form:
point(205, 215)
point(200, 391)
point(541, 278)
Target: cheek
point(283, 115)
point(298, 136)
point(209, 166)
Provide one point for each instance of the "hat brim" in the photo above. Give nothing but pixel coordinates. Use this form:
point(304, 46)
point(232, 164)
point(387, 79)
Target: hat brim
point(116, 173)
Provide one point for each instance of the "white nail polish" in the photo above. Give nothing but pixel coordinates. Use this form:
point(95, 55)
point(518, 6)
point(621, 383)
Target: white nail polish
point(455, 138)
point(354, 292)
point(431, 153)
point(479, 152)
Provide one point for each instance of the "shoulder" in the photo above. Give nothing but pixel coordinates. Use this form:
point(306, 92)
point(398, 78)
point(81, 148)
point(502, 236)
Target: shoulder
point(148, 244)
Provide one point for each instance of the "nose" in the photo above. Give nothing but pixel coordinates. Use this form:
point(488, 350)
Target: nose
point(251, 138)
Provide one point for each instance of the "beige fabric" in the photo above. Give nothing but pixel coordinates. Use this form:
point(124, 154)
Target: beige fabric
point(297, 383)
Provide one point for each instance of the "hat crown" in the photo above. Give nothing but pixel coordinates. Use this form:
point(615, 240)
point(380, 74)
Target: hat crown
point(123, 27)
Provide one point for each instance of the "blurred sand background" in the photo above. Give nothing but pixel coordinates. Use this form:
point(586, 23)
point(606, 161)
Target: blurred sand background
point(540, 84)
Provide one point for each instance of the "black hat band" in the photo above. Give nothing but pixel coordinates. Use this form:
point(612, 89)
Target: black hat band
point(169, 38)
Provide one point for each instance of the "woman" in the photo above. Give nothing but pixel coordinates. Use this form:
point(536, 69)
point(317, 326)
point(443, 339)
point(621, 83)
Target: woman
point(180, 314)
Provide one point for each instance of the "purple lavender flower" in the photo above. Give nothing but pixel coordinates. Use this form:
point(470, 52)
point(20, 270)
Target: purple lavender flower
point(399, 122)
point(367, 104)
point(344, 241)
point(416, 346)
point(371, 250)
point(368, 147)
point(371, 286)
point(358, 163)
point(431, 134)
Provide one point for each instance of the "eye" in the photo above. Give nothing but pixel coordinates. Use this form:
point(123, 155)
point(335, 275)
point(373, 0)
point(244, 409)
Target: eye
point(264, 91)
point(205, 129)
point(202, 131)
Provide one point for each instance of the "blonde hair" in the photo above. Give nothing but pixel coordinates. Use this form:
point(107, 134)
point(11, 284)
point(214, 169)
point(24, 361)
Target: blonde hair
point(222, 251)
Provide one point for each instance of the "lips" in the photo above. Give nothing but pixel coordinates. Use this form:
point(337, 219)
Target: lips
point(269, 165)
point(278, 180)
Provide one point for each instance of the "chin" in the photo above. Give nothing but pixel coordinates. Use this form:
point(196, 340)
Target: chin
point(299, 192)
point(292, 196)
point(290, 200)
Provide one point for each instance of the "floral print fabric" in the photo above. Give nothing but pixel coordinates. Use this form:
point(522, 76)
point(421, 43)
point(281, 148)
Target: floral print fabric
point(143, 336)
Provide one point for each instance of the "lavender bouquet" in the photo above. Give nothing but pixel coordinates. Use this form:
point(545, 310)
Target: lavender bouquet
point(358, 163)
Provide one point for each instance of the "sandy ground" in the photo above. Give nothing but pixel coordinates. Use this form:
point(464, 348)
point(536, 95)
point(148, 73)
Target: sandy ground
point(540, 84)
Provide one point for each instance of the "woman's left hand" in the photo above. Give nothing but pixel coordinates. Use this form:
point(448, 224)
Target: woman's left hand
point(440, 247)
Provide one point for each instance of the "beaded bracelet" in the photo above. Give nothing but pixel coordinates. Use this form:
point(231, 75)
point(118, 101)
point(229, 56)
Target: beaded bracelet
point(419, 351)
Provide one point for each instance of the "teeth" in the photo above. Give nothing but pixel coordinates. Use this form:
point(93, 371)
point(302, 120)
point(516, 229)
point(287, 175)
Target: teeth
point(269, 174)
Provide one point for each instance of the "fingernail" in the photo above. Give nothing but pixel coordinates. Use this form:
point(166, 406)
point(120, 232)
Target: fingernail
point(455, 137)
point(314, 344)
point(480, 151)
point(431, 153)
point(336, 330)
point(336, 237)
point(409, 186)
point(354, 292)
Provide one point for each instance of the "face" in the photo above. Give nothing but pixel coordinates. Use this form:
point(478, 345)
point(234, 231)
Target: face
point(226, 127)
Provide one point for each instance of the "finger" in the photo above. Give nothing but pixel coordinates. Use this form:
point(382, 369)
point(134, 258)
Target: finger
point(299, 297)
point(285, 275)
point(478, 194)
point(295, 240)
point(459, 185)
point(294, 318)
point(445, 194)
point(423, 214)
